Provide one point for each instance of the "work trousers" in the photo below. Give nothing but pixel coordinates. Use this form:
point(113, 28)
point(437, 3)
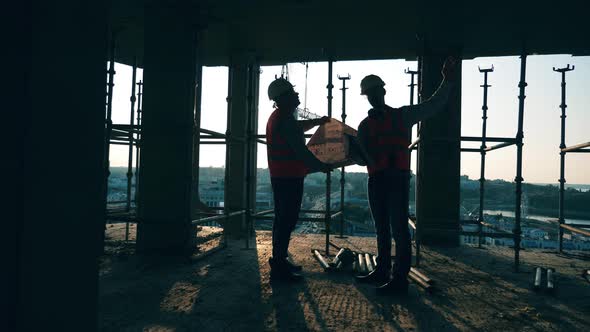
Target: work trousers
point(388, 199)
point(287, 193)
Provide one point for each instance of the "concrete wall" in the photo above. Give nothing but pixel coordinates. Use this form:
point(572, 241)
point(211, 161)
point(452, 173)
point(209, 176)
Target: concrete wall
point(60, 234)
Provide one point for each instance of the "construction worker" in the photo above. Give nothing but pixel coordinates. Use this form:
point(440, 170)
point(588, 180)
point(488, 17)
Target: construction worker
point(289, 161)
point(385, 134)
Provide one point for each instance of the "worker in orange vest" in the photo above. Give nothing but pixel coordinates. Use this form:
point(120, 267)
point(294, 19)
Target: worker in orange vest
point(289, 161)
point(385, 134)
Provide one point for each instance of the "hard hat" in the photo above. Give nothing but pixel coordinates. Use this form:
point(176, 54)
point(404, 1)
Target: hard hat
point(369, 82)
point(278, 87)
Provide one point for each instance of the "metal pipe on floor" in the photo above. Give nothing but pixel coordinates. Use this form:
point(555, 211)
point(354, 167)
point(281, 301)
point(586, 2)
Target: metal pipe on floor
point(421, 276)
point(321, 259)
point(550, 280)
point(538, 277)
point(362, 265)
point(369, 263)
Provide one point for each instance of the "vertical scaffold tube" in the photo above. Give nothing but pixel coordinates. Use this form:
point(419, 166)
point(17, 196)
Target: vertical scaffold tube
point(328, 216)
point(483, 147)
point(342, 170)
point(562, 146)
point(519, 137)
point(131, 138)
point(138, 143)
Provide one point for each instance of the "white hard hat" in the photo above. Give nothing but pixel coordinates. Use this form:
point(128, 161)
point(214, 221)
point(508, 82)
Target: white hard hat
point(278, 87)
point(369, 82)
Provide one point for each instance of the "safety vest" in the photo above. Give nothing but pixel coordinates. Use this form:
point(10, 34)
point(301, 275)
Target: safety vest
point(282, 161)
point(388, 144)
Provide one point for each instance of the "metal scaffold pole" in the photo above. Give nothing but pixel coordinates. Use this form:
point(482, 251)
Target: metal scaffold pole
point(519, 137)
point(342, 170)
point(562, 153)
point(109, 111)
point(412, 86)
point(483, 147)
point(138, 143)
point(328, 216)
point(130, 137)
point(249, 155)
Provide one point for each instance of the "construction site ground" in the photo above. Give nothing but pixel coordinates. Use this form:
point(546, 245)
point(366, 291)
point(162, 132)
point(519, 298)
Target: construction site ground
point(229, 290)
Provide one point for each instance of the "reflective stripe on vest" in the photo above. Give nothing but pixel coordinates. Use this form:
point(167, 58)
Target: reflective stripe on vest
point(282, 161)
point(388, 146)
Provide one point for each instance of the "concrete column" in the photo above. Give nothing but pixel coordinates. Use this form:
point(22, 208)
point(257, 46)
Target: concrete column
point(62, 212)
point(439, 161)
point(237, 154)
point(166, 157)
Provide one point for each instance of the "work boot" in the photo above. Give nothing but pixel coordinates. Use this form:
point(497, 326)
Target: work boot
point(377, 276)
point(398, 285)
point(294, 267)
point(280, 271)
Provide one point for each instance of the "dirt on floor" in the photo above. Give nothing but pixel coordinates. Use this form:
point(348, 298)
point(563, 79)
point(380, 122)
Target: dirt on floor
point(229, 290)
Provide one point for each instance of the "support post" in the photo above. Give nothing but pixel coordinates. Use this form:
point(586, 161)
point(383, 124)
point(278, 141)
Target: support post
point(138, 145)
point(519, 137)
point(342, 170)
point(328, 216)
point(237, 181)
point(483, 147)
point(562, 153)
point(439, 160)
point(169, 76)
point(412, 87)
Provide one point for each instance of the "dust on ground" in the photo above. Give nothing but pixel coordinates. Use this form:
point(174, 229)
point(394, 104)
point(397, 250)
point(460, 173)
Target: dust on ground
point(230, 291)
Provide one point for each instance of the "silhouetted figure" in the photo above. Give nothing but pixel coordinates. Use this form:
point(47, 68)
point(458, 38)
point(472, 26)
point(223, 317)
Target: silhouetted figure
point(289, 161)
point(386, 134)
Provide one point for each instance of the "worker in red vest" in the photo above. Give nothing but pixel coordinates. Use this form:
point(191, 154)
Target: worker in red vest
point(385, 134)
point(289, 161)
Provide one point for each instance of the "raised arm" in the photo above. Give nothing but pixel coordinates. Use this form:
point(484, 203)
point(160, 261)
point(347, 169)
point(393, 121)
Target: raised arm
point(437, 102)
point(308, 124)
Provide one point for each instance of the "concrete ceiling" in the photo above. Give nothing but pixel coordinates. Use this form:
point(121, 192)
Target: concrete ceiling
point(277, 32)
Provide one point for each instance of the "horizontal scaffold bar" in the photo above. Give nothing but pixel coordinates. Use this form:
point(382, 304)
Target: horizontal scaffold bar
point(470, 150)
point(499, 146)
point(575, 229)
point(577, 148)
point(414, 143)
point(219, 217)
point(488, 139)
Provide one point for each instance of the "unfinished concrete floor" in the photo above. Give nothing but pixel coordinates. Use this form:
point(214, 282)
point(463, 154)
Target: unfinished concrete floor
point(230, 291)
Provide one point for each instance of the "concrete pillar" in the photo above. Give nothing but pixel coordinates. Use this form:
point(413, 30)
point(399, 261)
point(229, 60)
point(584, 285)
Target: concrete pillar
point(239, 164)
point(58, 239)
point(439, 161)
point(166, 157)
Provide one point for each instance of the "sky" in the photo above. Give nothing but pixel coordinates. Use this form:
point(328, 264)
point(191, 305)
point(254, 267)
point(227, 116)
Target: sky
point(541, 117)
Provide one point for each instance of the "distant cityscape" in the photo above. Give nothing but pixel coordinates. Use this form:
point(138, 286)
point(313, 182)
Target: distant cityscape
point(539, 206)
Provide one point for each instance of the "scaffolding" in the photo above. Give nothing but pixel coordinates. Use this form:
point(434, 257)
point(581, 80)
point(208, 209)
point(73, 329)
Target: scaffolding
point(125, 135)
point(492, 231)
point(582, 229)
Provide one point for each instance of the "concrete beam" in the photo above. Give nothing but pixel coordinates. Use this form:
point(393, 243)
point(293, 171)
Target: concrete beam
point(439, 161)
point(59, 237)
point(168, 115)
